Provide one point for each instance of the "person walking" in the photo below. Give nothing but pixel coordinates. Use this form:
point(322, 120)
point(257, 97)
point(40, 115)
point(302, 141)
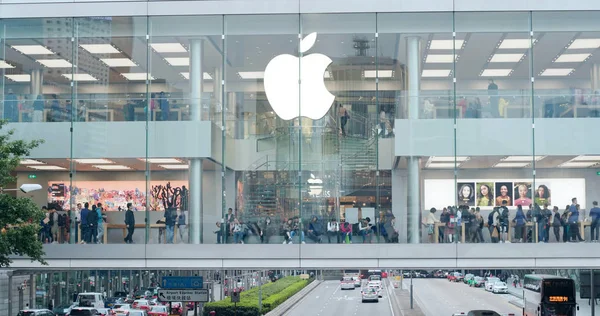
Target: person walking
point(129, 223)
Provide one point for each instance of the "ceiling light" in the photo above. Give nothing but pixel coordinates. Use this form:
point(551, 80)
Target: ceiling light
point(168, 48)
point(79, 77)
point(522, 158)
point(436, 73)
point(251, 74)
point(440, 59)
point(447, 158)
point(178, 61)
point(31, 162)
point(515, 44)
point(205, 76)
point(111, 167)
point(5, 65)
point(511, 164)
point(93, 161)
point(378, 73)
point(585, 43)
point(586, 158)
point(557, 72)
point(19, 78)
point(572, 58)
point(577, 164)
point(100, 48)
point(446, 44)
point(137, 76)
point(46, 167)
point(33, 49)
point(162, 160)
point(441, 165)
point(506, 58)
point(496, 72)
point(55, 63)
point(174, 167)
point(118, 62)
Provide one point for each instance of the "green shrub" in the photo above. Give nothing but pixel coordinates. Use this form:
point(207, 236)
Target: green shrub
point(273, 294)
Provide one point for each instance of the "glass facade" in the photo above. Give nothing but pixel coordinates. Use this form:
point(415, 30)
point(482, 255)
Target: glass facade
point(310, 121)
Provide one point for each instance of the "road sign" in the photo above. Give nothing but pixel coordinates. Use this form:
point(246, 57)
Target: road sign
point(200, 295)
point(235, 297)
point(182, 282)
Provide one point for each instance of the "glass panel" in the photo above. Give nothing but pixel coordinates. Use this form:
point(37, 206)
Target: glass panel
point(493, 163)
point(186, 53)
point(419, 95)
point(566, 106)
point(265, 180)
point(108, 168)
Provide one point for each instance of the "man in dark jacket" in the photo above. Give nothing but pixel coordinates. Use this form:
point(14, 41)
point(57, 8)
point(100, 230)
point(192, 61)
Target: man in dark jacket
point(85, 228)
point(92, 221)
point(170, 216)
point(556, 223)
point(315, 229)
point(129, 223)
point(444, 218)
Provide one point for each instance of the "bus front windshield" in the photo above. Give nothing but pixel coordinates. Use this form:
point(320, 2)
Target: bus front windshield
point(558, 310)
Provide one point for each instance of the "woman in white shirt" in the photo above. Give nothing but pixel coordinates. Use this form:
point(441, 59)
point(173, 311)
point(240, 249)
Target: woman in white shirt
point(430, 223)
point(238, 234)
point(333, 230)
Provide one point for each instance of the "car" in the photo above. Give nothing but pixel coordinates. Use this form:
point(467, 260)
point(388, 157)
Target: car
point(84, 311)
point(120, 294)
point(121, 309)
point(104, 311)
point(109, 302)
point(489, 282)
point(35, 312)
point(139, 295)
point(357, 281)
point(468, 278)
point(455, 277)
point(376, 279)
point(369, 294)
point(478, 313)
point(141, 304)
point(62, 310)
point(138, 312)
point(406, 274)
point(384, 275)
point(477, 282)
point(159, 310)
point(347, 283)
point(375, 285)
point(499, 287)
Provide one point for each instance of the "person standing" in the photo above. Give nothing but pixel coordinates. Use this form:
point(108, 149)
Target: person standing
point(100, 225)
point(129, 223)
point(504, 214)
point(11, 107)
point(494, 99)
point(85, 228)
point(38, 109)
point(53, 223)
point(430, 223)
point(574, 220)
point(556, 223)
point(444, 219)
point(595, 225)
point(181, 226)
point(165, 108)
point(170, 224)
point(344, 116)
point(55, 110)
point(228, 229)
point(92, 220)
point(519, 221)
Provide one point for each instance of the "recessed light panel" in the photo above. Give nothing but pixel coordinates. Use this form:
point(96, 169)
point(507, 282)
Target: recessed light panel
point(168, 48)
point(205, 76)
point(515, 44)
point(446, 44)
point(100, 48)
point(19, 78)
point(137, 76)
point(522, 158)
point(162, 160)
point(55, 63)
point(577, 164)
point(378, 73)
point(586, 158)
point(496, 72)
point(440, 59)
point(93, 161)
point(31, 162)
point(48, 168)
point(435, 73)
point(506, 58)
point(251, 74)
point(448, 158)
point(178, 61)
point(441, 165)
point(79, 77)
point(5, 65)
point(572, 58)
point(174, 167)
point(585, 43)
point(118, 62)
point(111, 167)
point(33, 49)
point(557, 72)
point(511, 164)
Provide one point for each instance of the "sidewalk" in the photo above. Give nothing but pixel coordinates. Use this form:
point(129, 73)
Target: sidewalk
point(584, 307)
point(402, 301)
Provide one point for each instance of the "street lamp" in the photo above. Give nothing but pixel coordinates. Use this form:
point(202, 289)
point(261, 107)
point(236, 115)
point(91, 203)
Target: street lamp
point(25, 188)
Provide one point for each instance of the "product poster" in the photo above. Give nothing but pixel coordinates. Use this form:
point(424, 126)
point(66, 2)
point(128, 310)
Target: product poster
point(542, 194)
point(522, 194)
point(466, 193)
point(504, 192)
point(485, 193)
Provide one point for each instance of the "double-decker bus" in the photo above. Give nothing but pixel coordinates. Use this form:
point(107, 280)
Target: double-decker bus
point(548, 295)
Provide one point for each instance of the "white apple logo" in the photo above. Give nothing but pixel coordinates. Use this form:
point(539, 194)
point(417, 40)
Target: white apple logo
point(282, 83)
point(315, 185)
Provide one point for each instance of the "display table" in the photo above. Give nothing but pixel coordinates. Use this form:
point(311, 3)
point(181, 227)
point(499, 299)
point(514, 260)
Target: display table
point(124, 228)
point(94, 114)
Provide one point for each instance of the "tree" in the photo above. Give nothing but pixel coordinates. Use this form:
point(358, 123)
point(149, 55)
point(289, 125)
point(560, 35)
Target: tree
point(19, 217)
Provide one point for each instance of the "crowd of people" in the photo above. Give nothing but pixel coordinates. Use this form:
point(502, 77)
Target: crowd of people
point(316, 229)
point(500, 218)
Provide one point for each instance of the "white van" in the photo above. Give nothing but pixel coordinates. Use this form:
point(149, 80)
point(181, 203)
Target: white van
point(95, 300)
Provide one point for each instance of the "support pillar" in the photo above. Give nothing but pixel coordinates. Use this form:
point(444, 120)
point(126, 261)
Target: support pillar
point(595, 78)
point(195, 206)
point(109, 282)
point(10, 293)
point(130, 283)
point(413, 50)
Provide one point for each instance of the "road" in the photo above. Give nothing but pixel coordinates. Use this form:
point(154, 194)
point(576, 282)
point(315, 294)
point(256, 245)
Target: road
point(438, 297)
point(328, 299)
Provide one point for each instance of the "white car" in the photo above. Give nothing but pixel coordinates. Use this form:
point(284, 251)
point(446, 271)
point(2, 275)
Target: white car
point(370, 295)
point(499, 287)
point(357, 281)
point(121, 309)
point(347, 284)
point(489, 282)
point(137, 312)
point(375, 286)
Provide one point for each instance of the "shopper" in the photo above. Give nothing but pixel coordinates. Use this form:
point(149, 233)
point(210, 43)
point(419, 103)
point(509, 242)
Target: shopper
point(101, 220)
point(430, 223)
point(53, 224)
point(129, 223)
point(238, 233)
point(85, 228)
point(444, 219)
point(315, 229)
point(344, 116)
point(92, 220)
point(182, 226)
point(333, 230)
point(170, 217)
point(574, 220)
point(557, 223)
point(520, 220)
point(219, 233)
point(267, 230)
point(595, 225)
point(504, 214)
